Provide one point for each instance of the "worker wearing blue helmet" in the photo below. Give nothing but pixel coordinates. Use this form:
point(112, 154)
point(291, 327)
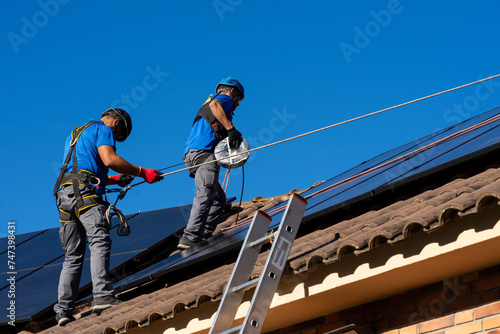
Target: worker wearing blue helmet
point(212, 123)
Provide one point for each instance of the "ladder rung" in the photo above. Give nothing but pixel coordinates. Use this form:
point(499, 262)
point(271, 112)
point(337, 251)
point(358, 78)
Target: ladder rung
point(232, 330)
point(259, 242)
point(246, 286)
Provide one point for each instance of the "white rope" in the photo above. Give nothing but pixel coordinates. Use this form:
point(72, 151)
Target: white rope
point(337, 124)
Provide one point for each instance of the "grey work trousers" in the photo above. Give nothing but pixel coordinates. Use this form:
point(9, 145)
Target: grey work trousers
point(209, 199)
point(91, 223)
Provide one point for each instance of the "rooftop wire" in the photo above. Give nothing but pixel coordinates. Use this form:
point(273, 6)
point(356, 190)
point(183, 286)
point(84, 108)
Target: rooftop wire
point(327, 127)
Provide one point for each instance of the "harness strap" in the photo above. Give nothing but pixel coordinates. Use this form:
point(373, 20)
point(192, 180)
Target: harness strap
point(83, 177)
point(206, 113)
point(69, 217)
point(75, 176)
point(63, 169)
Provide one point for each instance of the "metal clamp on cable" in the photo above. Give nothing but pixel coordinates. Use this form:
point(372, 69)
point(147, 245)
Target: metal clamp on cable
point(123, 192)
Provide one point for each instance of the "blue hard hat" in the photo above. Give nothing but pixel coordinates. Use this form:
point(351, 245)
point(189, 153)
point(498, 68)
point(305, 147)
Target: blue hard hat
point(232, 82)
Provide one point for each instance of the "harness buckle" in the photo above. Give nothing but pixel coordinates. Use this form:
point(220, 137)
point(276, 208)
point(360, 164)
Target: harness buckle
point(94, 180)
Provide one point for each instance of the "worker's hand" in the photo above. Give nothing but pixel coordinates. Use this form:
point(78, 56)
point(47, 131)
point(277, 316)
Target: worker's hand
point(151, 175)
point(234, 138)
point(121, 179)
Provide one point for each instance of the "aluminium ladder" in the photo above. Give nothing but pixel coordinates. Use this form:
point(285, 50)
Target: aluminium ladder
point(268, 281)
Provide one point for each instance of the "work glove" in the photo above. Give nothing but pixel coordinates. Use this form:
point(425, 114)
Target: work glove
point(121, 179)
point(234, 138)
point(151, 175)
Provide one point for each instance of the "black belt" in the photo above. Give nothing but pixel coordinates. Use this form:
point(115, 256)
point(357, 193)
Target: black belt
point(80, 176)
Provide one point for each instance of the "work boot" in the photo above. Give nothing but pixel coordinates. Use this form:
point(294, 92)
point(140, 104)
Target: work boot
point(185, 243)
point(64, 318)
point(102, 303)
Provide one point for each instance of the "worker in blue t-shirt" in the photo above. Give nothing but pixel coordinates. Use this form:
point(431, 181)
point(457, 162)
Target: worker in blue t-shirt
point(212, 123)
point(90, 151)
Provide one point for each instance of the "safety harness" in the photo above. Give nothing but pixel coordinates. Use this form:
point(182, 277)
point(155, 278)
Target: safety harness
point(76, 178)
point(206, 113)
point(220, 132)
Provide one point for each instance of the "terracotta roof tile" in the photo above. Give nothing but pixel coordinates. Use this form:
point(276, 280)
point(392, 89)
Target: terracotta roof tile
point(393, 223)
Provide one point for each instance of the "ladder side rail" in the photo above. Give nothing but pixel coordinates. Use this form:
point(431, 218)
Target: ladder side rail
point(241, 273)
point(274, 266)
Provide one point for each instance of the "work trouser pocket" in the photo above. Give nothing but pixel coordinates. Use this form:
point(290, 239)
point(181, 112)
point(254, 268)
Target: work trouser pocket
point(66, 202)
point(98, 214)
point(62, 237)
point(193, 158)
point(72, 236)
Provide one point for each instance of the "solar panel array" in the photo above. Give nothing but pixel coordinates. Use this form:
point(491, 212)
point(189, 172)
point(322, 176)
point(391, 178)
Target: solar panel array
point(471, 137)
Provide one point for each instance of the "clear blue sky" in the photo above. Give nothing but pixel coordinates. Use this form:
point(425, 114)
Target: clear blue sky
point(304, 65)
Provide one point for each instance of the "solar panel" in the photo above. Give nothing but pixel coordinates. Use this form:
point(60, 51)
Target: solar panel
point(407, 148)
point(39, 257)
point(151, 227)
point(20, 240)
point(33, 291)
point(217, 245)
point(333, 192)
point(35, 252)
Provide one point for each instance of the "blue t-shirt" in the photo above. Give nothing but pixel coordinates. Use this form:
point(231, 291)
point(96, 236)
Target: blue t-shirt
point(87, 154)
point(202, 137)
